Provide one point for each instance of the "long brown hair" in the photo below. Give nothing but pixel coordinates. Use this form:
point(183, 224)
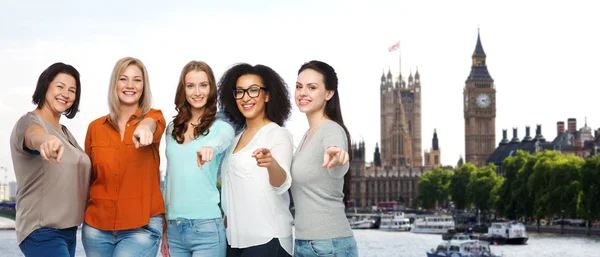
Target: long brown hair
point(184, 109)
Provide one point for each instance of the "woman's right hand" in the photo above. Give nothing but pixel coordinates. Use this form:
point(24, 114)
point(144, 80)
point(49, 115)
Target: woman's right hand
point(164, 246)
point(51, 148)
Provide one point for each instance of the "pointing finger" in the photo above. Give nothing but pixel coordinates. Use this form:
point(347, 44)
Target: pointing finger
point(61, 151)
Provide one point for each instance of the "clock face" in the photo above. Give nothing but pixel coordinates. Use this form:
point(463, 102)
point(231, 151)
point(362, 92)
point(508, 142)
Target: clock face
point(483, 100)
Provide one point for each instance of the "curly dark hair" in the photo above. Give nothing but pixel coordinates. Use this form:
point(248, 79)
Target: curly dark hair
point(184, 109)
point(277, 110)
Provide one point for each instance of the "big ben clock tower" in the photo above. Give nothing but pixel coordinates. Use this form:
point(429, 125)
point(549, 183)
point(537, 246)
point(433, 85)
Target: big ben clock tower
point(479, 110)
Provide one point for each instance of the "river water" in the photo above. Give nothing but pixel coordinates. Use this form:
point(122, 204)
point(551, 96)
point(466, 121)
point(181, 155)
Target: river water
point(377, 243)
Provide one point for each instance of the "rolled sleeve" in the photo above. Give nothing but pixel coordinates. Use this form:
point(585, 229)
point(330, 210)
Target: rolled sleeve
point(221, 136)
point(282, 152)
point(158, 117)
point(336, 137)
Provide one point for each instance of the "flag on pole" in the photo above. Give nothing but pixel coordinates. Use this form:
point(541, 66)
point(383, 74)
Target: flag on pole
point(394, 47)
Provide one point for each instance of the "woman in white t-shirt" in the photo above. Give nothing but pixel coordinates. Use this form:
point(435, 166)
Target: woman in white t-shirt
point(256, 168)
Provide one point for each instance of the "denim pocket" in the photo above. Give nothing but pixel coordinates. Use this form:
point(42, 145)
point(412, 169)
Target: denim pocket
point(41, 231)
point(322, 247)
point(155, 226)
point(206, 231)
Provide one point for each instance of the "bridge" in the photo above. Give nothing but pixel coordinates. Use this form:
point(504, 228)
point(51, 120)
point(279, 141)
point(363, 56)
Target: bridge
point(8, 210)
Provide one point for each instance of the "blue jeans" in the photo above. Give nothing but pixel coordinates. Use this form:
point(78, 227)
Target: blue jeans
point(140, 242)
point(339, 247)
point(201, 237)
point(50, 242)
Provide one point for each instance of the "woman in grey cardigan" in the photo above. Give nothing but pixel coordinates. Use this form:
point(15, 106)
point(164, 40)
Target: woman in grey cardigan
point(320, 177)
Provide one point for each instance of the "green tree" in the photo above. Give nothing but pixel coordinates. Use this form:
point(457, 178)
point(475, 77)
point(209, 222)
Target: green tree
point(505, 202)
point(588, 200)
point(520, 186)
point(539, 182)
point(459, 183)
point(434, 188)
point(564, 186)
point(481, 187)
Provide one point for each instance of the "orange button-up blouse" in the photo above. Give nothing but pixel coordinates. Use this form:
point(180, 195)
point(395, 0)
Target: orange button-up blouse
point(125, 184)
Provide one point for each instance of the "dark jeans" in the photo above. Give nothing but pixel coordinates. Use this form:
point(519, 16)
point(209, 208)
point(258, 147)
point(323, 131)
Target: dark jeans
point(50, 242)
point(270, 249)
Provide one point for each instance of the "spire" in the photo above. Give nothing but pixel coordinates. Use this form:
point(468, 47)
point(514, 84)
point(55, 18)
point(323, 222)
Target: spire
point(389, 75)
point(410, 77)
point(417, 76)
point(478, 48)
point(383, 75)
point(377, 156)
point(479, 69)
point(434, 141)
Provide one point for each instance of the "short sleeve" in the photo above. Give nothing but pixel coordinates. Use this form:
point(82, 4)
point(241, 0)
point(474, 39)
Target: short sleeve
point(17, 139)
point(158, 117)
point(282, 151)
point(335, 135)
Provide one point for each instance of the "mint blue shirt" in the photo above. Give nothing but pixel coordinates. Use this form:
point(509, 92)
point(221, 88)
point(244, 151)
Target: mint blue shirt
point(191, 192)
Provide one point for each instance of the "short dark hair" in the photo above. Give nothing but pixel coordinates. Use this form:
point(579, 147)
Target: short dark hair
point(278, 109)
point(39, 96)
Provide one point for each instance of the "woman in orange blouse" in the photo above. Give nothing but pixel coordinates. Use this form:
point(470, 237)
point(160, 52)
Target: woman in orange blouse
point(124, 216)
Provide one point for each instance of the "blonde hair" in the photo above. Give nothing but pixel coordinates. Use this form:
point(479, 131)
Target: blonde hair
point(145, 102)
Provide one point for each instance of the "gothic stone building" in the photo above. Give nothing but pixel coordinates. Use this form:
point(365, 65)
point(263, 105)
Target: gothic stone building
point(583, 142)
point(479, 110)
point(395, 171)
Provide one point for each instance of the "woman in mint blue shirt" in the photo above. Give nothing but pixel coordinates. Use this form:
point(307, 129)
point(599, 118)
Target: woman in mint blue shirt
point(195, 143)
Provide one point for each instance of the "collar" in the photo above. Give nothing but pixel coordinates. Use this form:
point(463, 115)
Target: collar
point(137, 114)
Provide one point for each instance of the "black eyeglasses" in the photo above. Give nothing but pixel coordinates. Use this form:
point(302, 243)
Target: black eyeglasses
point(253, 92)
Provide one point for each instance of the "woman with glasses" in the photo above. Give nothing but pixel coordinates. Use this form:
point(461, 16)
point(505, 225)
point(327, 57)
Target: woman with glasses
point(320, 167)
point(256, 168)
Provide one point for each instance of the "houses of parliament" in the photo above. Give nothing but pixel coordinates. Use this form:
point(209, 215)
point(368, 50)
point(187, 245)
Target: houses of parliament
point(399, 163)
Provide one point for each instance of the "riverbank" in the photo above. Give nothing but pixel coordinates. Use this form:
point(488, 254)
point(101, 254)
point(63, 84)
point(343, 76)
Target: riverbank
point(555, 229)
point(6, 224)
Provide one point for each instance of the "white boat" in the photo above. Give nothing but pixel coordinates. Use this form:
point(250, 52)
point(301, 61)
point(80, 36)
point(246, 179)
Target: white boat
point(507, 232)
point(462, 246)
point(361, 223)
point(433, 224)
point(394, 222)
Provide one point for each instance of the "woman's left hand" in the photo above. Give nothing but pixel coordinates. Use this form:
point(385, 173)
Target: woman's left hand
point(335, 157)
point(263, 157)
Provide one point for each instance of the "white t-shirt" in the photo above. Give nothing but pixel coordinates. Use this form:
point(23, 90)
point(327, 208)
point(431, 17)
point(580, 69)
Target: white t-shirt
point(256, 211)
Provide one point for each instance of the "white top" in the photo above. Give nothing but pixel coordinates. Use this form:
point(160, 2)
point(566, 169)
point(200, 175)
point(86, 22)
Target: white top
point(256, 211)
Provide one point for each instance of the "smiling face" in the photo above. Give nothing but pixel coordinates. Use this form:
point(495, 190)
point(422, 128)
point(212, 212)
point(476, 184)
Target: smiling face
point(61, 93)
point(197, 89)
point(130, 85)
point(251, 107)
point(311, 95)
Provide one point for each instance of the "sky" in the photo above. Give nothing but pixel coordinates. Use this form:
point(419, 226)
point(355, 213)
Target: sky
point(543, 56)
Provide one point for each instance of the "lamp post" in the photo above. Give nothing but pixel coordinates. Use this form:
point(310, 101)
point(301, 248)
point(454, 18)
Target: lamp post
point(589, 219)
point(562, 221)
point(4, 185)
